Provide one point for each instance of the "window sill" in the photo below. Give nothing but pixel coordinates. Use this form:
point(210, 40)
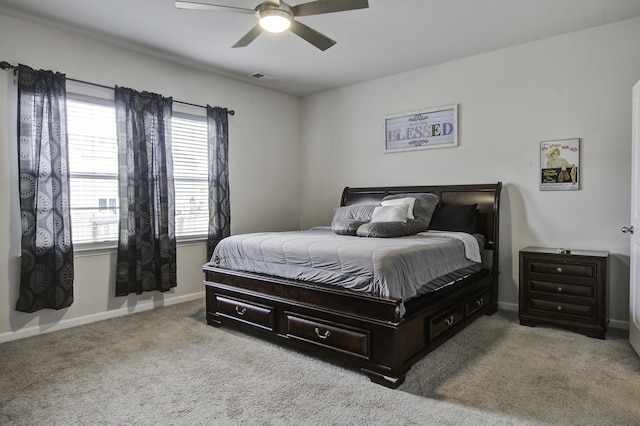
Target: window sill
point(92, 249)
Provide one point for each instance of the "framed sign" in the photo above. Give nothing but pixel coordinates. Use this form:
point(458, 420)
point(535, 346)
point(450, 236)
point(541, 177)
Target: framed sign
point(424, 129)
point(559, 165)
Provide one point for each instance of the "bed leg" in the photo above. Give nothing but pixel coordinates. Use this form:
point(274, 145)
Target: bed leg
point(491, 310)
point(214, 323)
point(387, 381)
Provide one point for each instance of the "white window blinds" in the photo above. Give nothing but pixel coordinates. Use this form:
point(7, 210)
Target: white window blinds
point(190, 174)
point(93, 167)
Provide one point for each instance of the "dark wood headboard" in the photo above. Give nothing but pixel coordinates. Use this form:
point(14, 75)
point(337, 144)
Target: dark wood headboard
point(486, 196)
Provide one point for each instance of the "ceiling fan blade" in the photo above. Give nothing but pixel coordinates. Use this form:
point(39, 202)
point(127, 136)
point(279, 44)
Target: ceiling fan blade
point(327, 6)
point(249, 37)
point(213, 7)
point(319, 40)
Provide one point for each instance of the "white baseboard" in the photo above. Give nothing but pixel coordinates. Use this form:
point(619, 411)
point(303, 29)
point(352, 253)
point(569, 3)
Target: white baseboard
point(74, 322)
point(513, 307)
point(624, 325)
point(613, 323)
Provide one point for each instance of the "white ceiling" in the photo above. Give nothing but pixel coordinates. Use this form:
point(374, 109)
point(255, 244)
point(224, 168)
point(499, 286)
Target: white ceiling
point(389, 37)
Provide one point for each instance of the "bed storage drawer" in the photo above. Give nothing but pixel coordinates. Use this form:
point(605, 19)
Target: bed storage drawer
point(473, 304)
point(330, 335)
point(444, 322)
point(247, 312)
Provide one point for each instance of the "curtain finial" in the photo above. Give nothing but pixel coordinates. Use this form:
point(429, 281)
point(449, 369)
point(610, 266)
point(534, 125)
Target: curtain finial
point(7, 66)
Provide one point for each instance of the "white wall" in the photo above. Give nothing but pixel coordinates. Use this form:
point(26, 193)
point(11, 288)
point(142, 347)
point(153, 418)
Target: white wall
point(573, 86)
point(577, 85)
point(264, 166)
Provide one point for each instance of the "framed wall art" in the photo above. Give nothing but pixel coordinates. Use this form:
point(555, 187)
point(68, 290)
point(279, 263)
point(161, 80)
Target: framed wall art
point(560, 165)
point(424, 129)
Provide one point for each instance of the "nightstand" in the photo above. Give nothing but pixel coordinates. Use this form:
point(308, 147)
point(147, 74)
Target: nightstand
point(567, 290)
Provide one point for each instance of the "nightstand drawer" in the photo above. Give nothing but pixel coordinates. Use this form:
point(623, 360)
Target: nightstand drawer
point(562, 308)
point(568, 269)
point(562, 288)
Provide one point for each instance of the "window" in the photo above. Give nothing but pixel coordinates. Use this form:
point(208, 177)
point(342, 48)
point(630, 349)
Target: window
point(190, 174)
point(93, 167)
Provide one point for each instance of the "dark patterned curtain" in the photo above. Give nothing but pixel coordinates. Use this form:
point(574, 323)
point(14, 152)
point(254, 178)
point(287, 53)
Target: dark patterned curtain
point(219, 210)
point(147, 244)
point(46, 280)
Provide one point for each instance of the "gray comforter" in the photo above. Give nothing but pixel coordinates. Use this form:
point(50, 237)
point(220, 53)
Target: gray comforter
point(389, 267)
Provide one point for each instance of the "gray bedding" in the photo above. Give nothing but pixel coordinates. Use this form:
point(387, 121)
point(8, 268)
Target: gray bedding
point(388, 267)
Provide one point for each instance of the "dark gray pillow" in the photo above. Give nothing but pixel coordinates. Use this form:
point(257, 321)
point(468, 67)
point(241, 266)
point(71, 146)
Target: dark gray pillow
point(423, 208)
point(360, 212)
point(347, 227)
point(391, 229)
point(459, 218)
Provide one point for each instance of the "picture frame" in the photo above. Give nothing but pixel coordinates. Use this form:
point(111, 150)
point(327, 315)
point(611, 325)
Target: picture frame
point(560, 165)
point(423, 129)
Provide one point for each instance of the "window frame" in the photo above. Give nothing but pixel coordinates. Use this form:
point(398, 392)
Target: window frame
point(188, 112)
point(100, 95)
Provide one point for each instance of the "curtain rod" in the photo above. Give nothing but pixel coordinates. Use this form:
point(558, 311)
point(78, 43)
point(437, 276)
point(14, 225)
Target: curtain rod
point(6, 66)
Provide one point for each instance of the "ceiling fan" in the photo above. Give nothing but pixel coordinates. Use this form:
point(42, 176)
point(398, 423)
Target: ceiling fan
point(277, 16)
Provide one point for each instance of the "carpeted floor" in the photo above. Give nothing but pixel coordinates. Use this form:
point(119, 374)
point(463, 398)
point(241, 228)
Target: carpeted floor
point(167, 367)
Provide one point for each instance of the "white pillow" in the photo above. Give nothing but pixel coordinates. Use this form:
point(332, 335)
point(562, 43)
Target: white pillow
point(397, 213)
point(410, 201)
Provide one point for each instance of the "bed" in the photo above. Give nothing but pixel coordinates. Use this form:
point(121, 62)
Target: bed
point(376, 331)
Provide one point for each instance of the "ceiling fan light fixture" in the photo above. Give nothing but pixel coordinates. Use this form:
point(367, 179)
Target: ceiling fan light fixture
point(275, 20)
point(276, 16)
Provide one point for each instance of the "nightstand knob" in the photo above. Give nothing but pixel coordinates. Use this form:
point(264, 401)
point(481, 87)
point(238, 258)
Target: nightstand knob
point(559, 269)
point(559, 307)
point(559, 289)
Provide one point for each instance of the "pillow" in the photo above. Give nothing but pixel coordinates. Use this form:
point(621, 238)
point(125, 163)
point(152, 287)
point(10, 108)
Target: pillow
point(347, 226)
point(459, 218)
point(424, 205)
point(391, 229)
point(397, 213)
point(360, 212)
point(410, 201)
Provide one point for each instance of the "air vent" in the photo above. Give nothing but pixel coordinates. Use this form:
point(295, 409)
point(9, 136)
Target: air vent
point(261, 76)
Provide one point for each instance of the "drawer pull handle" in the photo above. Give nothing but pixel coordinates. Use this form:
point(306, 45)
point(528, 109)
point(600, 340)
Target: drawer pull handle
point(559, 289)
point(559, 307)
point(480, 302)
point(559, 269)
point(450, 320)
point(239, 311)
point(322, 336)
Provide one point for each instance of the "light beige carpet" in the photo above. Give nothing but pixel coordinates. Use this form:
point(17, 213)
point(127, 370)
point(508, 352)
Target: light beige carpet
point(167, 367)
